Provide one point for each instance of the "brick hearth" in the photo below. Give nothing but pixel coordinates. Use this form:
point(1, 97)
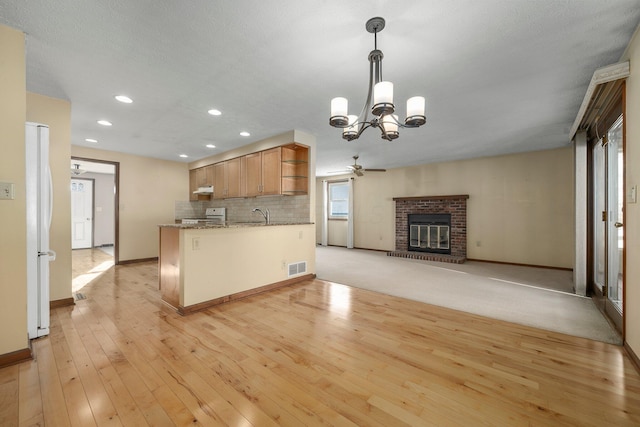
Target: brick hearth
point(454, 205)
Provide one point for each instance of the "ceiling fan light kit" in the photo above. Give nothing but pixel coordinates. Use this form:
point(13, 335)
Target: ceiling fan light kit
point(75, 170)
point(381, 93)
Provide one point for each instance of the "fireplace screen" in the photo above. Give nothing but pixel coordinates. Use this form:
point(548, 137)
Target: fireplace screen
point(429, 237)
point(430, 233)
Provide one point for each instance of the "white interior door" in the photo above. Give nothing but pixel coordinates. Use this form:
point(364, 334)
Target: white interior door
point(81, 213)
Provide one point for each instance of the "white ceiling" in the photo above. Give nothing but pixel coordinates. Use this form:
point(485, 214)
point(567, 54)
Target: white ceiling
point(500, 76)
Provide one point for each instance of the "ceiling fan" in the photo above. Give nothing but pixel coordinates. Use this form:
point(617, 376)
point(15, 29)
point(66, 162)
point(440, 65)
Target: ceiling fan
point(75, 170)
point(357, 169)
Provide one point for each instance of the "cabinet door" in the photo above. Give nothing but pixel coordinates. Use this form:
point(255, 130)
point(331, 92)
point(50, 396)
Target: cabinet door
point(193, 185)
point(220, 178)
point(234, 178)
point(253, 176)
point(271, 171)
point(201, 177)
point(208, 173)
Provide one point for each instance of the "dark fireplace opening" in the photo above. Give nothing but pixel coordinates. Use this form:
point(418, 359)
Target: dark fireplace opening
point(430, 233)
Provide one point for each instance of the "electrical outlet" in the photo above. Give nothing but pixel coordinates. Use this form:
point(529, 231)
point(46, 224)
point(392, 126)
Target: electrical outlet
point(195, 244)
point(6, 191)
point(284, 264)
point(300, 235)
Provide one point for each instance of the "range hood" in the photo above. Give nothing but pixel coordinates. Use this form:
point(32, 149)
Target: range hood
point(204, 190)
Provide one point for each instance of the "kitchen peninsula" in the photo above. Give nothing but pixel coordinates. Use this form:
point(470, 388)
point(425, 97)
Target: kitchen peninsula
point(202, 265)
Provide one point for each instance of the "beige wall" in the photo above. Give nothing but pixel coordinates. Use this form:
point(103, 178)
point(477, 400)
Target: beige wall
point(215, 270)
point(148, 191)
point(56, 113)
point(519, 209)
point(13, 261)
point(632, 215)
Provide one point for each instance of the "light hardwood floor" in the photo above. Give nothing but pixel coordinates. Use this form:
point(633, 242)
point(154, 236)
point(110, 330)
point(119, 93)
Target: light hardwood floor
point(311, 354)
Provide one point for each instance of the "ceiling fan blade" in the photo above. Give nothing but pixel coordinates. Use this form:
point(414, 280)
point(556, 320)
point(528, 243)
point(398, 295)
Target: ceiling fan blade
point(375, 170)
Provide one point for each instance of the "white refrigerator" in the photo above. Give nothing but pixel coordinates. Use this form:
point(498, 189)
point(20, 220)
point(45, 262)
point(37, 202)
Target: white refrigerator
point(39, 195)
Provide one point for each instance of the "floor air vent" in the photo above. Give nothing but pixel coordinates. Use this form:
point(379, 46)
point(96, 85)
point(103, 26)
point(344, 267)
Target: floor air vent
point(297, 268)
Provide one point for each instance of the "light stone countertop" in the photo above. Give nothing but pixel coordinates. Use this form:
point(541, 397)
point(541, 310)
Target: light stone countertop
point(231, 224)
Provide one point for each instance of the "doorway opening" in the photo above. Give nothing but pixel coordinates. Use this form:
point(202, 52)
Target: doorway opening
point(95, 222)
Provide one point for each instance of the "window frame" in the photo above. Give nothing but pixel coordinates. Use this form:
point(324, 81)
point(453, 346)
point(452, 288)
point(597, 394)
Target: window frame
point(330, 200)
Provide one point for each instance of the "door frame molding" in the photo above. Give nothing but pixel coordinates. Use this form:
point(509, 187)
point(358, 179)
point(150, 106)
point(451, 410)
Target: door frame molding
point(116, 202)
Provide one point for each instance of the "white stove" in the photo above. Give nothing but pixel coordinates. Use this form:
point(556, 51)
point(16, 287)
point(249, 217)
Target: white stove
point(212, 216)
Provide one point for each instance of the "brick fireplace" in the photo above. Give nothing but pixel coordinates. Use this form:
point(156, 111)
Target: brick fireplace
point(425, 207)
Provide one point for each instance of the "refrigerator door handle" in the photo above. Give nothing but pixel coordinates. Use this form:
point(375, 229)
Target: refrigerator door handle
point(50, 199)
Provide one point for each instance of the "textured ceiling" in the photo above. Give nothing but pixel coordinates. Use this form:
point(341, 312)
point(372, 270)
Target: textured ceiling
point(500, 76)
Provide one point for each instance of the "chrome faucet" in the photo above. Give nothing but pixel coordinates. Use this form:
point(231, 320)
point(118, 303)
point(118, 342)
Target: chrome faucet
point(266, 214)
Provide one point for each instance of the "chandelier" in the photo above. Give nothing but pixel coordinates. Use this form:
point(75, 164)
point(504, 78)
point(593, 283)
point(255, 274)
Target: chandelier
point(383, 108)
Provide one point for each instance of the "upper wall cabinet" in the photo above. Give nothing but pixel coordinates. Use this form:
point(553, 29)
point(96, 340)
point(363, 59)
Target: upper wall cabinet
point(228, 179)
point(280, 170)
point(263, 176)
point(200, 177)
point(234, 177)
point(193, 184)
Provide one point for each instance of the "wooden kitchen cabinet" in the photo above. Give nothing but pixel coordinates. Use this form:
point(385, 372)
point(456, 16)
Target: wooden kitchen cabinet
point(295, 169)
point(206, 176)
point(200, 177)
point(227, 176)
point(271, 171)
point(220, 178)
point(253, 174)
point(263, 173)
point(234, 177)
point(193, 185)
point(280, 170)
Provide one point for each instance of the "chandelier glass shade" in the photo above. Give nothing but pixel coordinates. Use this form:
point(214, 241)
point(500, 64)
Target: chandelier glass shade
point(378, 111)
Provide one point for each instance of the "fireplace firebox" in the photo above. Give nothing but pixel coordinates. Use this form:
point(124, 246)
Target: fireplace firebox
point(429, 233)
point(431, 228)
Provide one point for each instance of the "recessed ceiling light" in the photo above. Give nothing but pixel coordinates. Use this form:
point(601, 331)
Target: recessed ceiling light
point(214, 112)
point(104, 122)
point(244, 133)
point(210, 146)
point(91, 140)
point(183, 155)
point(124, 99)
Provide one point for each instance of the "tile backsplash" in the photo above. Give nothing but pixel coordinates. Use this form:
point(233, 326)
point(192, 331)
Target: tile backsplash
point(282, 208)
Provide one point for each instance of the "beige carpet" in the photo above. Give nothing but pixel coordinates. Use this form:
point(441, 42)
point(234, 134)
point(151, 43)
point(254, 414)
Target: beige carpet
point(536, 297)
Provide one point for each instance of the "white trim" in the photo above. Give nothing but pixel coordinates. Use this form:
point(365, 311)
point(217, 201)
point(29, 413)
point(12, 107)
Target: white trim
point(602, 75)
point(580, 199)
point(350, 217)
point(324, 233)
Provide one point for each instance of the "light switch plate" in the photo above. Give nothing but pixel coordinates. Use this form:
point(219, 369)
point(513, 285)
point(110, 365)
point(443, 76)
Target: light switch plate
point(6, 191)
point(633, 195)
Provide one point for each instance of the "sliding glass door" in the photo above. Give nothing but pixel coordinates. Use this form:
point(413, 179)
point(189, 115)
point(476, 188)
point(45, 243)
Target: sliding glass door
point(608, 224)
